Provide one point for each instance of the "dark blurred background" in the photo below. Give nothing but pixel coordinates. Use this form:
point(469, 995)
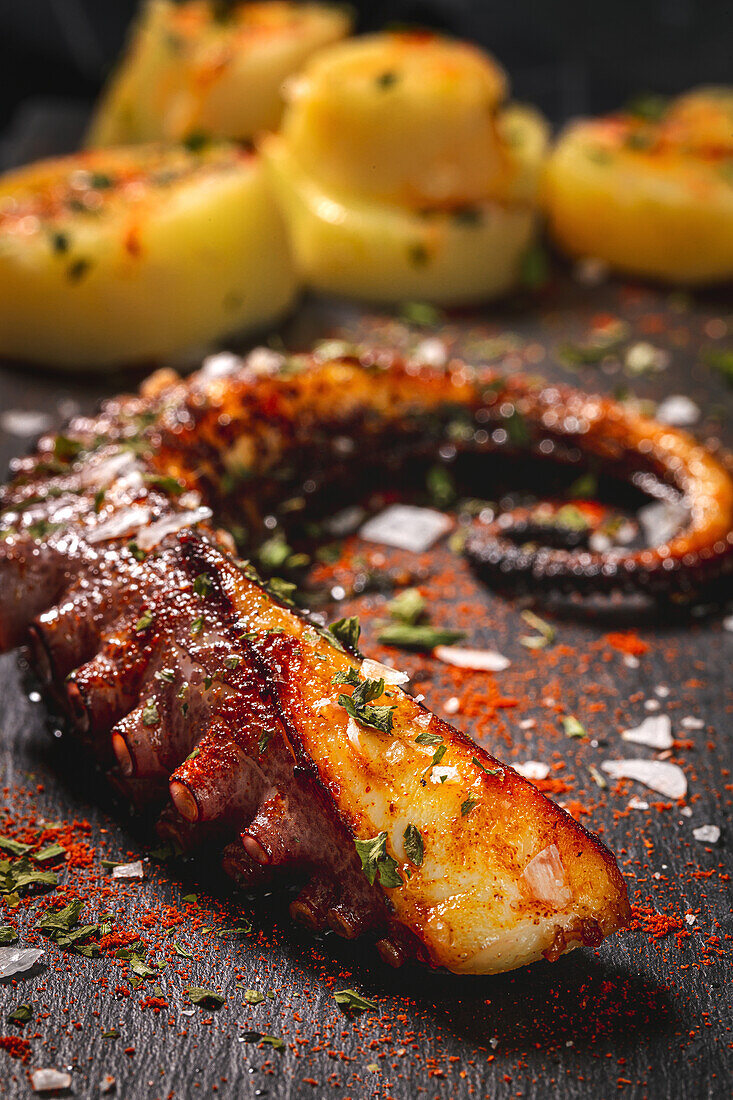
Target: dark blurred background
point(567, 56)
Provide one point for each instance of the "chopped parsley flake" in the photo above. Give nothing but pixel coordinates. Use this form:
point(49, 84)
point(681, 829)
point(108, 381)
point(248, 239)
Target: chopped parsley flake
point(352, 1001)
point(375, 861)
point(414, 847)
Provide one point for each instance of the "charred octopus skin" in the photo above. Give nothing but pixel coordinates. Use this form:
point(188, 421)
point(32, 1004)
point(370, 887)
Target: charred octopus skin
point(254, 729)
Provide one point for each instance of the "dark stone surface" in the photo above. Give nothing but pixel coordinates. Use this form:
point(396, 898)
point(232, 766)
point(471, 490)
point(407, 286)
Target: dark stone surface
point(641, 1017)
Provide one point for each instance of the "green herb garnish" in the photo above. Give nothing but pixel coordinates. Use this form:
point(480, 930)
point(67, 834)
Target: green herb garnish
point(352, 1001)
point(414, 847)
point(375, 861)
point(418, 637)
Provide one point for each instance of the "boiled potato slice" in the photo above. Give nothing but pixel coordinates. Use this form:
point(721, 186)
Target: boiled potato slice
point(195, 67)
point(404, 118)
point(137, 254)
point(652, 198)
point(385, 253)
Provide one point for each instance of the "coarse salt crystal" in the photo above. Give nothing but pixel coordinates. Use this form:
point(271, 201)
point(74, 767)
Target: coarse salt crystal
point(127, 521)
point(690, 918)
point(128, 871)
point(678, 411)
point(533, 769)
point(659, 775)
point(691, 723)
point(24, 422)
point(220, 365)
point(16, 960)
point(630, 661)
point(375, 670)
point(652, 704)
point(707, 834)
point(478, 660)
point(452, 705)
point(407, 527)
point(728, 623)
point(638, 804)
point(661, 521)
point(655, 731)
point(48, 1080)
point(528, 723)
point(443, 774)
point(264, 361)
point(431, 351)
point(545, 876)
point(156, 532)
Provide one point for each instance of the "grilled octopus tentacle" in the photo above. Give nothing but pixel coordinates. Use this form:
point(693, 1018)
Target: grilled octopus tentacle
point(223, 703)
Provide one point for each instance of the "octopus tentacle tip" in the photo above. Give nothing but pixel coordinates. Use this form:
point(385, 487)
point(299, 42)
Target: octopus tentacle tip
point(254, 849)
point(184, 801)
point(122, 755)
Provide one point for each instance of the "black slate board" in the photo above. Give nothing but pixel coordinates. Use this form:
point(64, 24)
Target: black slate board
point(641, 1017)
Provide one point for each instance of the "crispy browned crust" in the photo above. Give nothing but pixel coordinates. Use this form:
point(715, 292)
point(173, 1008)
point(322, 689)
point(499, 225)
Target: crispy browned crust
point(214, 692)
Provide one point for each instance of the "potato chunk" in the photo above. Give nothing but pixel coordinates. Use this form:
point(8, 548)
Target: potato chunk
point(400, 118)
point(401, 174)
point(386, 253)
point(652, 197)
point(137, 254)
point(195, 67)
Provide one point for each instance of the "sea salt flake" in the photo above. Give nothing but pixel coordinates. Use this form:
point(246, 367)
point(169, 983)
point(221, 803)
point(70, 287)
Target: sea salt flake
point(407, 527)
point(661, 520)
point(678, 410)
point(24, 422)
point(220, 365)
point(659, 775)
point(630, 661)
point(444, 774)
point(375, 670)
point(692, 723)
point(643, 357)
point(638, 804)
point(707, 834)
point(545, 876)
point(528, 723)
point(156, 532)
point(686, 811)
point(16, 960)
point(431, 351)
point(655, 731)
point(533, 769)
point(127, 521)
point(690, 918)
point(652, 704)
point(661, 690)
point(478, 660)
point(128, 871)
point(48, 1080)
point(264, 361)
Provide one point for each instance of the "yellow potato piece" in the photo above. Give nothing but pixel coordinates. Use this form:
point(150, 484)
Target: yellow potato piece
point(650, 198)
point(385, 253)
point(137, 254)
point(405, 118)
point(189, 68)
